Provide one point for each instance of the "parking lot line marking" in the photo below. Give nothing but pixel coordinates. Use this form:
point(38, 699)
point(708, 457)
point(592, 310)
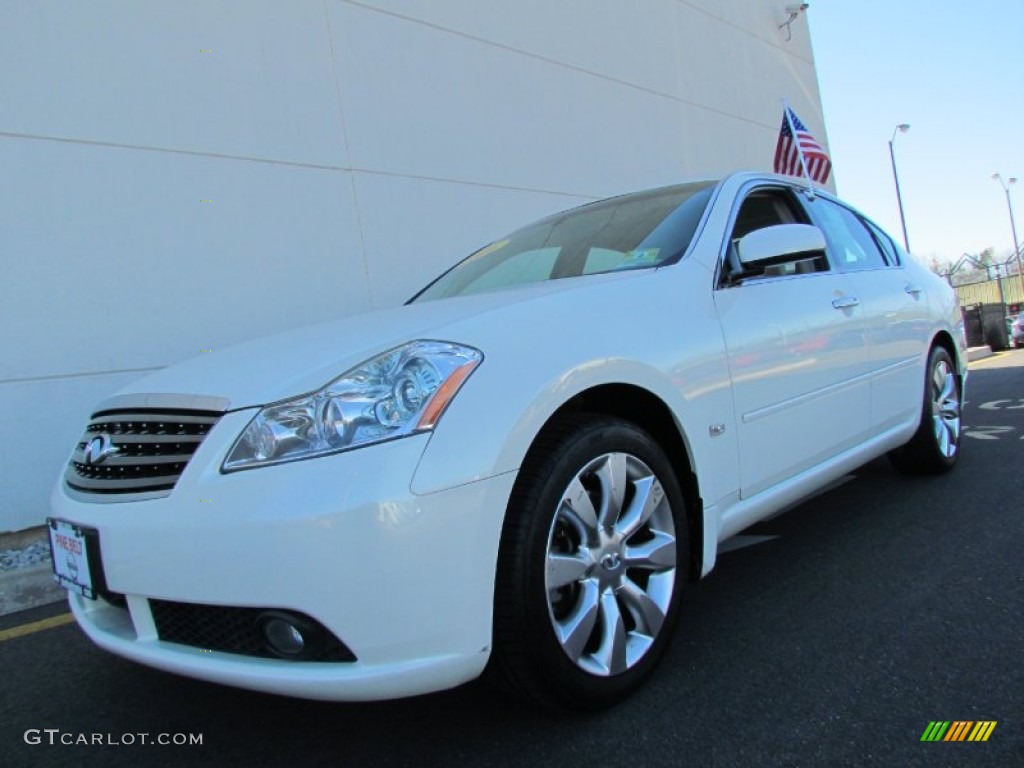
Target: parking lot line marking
point(990, 358)
point(36, 626)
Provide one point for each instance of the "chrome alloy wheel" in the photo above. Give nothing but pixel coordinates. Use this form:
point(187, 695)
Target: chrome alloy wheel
point(610, 564)
point(945, 409)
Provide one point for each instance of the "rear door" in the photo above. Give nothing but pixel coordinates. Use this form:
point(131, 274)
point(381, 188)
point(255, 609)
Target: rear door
point(894, 309)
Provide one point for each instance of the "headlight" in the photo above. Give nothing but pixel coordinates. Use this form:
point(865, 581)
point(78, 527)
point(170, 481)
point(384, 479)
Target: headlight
point(397, 393)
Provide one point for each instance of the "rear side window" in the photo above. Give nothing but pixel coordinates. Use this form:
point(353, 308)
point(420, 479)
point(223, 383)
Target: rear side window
point(853, 247)
point(889, 249)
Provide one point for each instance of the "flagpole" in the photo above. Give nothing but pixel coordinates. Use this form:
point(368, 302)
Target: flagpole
point(799, 151)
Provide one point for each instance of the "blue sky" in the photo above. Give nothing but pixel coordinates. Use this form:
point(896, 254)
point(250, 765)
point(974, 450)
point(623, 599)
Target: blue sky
point(955, 72)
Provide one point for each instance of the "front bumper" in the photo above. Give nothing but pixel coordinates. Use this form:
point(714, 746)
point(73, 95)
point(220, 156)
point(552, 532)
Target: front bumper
point(404, 581)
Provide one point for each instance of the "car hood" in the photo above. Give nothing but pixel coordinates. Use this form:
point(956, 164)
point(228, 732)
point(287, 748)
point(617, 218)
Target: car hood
point(292, 363)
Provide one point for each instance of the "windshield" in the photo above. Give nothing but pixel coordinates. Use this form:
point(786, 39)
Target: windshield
point(639, 231)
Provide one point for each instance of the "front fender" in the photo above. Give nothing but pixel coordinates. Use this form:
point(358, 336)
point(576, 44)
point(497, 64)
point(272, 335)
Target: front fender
point(677, 356)
point(494, 425)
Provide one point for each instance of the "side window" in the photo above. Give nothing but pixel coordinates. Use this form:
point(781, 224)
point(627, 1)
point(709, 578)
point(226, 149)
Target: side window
point(853, 246)
point(889, 249)
point(767, 208)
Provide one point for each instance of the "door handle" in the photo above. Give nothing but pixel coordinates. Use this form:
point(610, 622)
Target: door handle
point(912, 289)
point(845, 302)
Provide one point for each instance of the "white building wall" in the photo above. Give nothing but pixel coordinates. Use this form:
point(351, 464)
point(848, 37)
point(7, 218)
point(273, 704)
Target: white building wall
point(180, 176)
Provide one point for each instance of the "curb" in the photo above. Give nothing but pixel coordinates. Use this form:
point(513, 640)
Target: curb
point(28, 587)
point(978, 353)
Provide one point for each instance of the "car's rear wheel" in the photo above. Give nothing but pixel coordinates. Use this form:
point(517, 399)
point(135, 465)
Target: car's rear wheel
point(935, 446)
point(593, 559)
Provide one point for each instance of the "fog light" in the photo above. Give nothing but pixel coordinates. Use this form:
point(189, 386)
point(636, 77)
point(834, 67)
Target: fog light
point(283, 637)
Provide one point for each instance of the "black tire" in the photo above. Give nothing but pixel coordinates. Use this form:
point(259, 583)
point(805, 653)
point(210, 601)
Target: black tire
point(569, 468)
point(935, 446)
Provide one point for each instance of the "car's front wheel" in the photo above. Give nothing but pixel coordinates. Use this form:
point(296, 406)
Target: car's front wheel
point(593, 559)
point(935, 446)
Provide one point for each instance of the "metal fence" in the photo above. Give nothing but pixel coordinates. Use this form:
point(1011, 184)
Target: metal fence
point(987, 292)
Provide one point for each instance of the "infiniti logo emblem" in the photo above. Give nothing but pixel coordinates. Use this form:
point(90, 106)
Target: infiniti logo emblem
point(98, 449)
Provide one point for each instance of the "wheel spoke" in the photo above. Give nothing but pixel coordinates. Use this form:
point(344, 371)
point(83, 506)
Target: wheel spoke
point(939, 377)
point(948, 392)
point(575, 630)
point(954, 427)
point(648, 495)
point(565, 569)
point(579, 510)
point(612, 477)
point(947, 432)
point(611, 654)
point(657, 554)
point(942, 436)
point(645, 612)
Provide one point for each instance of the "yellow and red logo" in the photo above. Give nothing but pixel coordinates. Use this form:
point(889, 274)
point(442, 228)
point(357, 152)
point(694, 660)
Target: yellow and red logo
point(958, 730)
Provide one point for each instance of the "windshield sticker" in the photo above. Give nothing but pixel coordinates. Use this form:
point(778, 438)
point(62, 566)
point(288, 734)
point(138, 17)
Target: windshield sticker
point(640, 257)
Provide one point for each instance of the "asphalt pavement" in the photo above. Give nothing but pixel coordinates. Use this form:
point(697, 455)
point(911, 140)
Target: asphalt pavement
point(831, 635)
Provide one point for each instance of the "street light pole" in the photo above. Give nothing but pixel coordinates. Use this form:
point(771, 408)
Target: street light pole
point(1013, 227)
point(901, 128)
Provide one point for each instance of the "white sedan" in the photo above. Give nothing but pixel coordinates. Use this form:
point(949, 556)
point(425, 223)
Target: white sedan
point(518, 472)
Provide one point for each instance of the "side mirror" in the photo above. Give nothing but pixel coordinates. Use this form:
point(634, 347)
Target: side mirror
point(779, 244)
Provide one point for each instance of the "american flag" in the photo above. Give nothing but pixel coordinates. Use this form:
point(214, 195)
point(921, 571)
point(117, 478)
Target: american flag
point(787, 151)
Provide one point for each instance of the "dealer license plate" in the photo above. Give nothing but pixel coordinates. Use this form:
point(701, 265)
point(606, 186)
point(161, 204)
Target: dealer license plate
point(69, 546)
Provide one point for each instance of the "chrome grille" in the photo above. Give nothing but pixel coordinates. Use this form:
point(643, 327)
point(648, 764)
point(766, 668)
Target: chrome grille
point(136, 451)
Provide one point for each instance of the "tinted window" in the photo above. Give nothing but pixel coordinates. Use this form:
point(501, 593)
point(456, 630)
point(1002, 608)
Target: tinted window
point(852, 245)
point(524, 267)
point(889, 248)
point(601, 260)
point(648, 229)
point(767, 208)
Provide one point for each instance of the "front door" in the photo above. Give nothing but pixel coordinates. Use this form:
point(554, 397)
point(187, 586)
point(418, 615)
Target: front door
point(797, 352)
